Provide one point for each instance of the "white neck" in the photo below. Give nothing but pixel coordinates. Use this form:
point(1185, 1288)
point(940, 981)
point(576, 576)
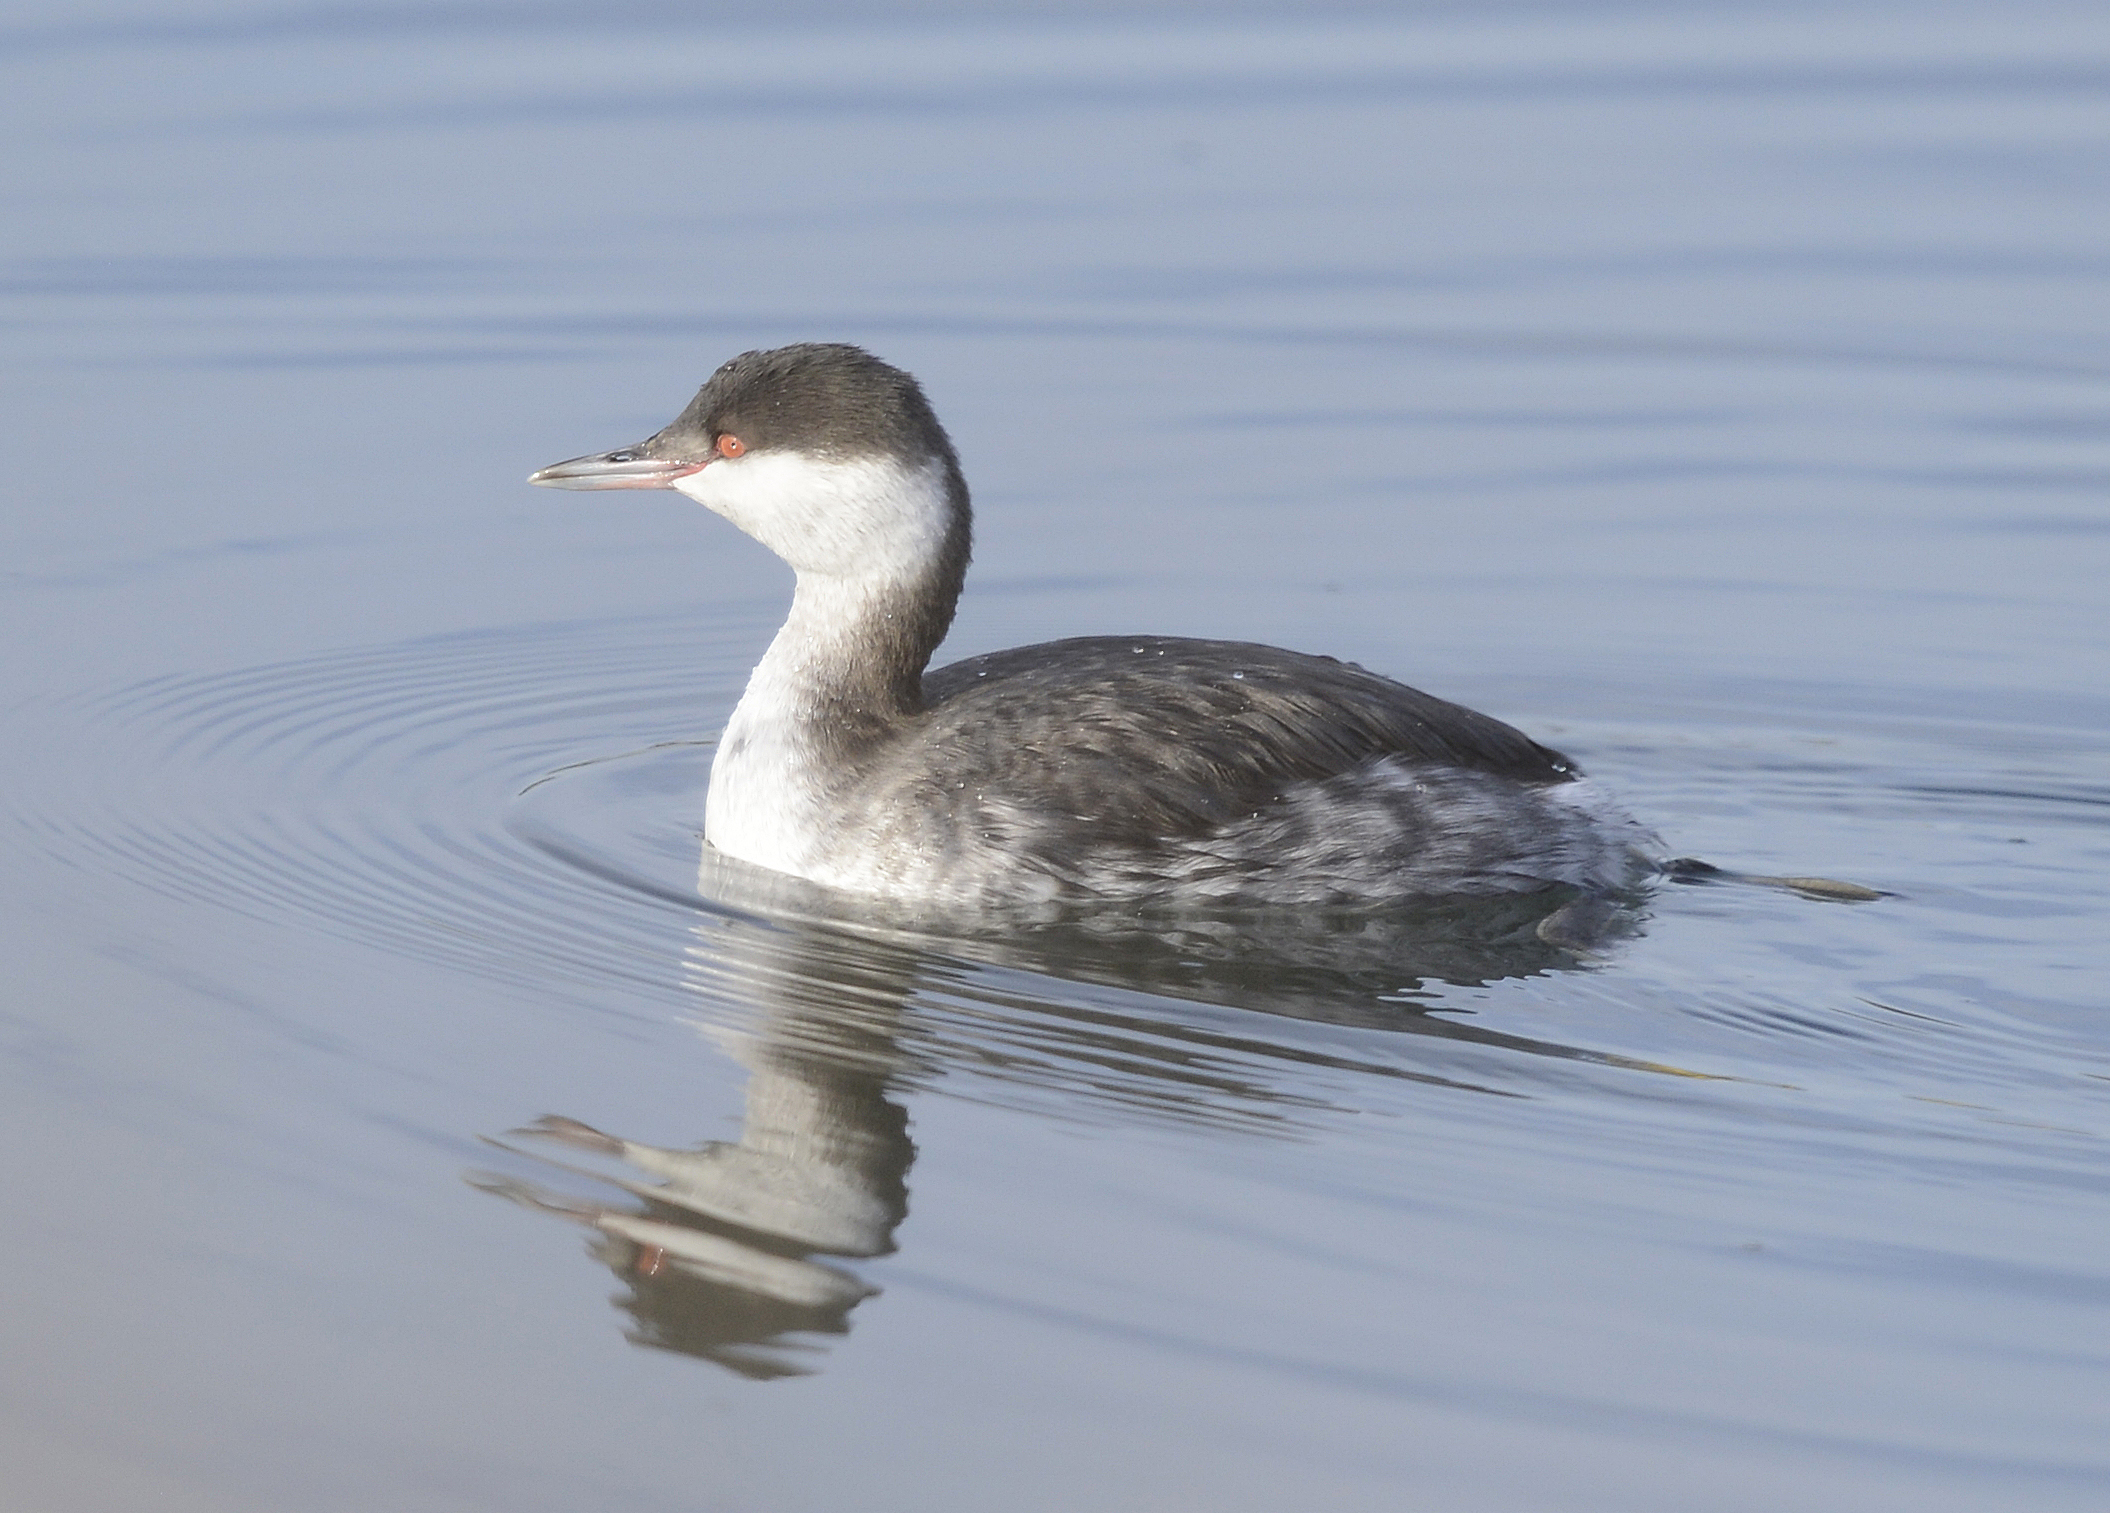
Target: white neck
point(770, 779)
point(844, 672)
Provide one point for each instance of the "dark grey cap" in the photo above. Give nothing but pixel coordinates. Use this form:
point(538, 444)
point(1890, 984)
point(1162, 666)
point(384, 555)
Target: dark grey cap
point(825, 399)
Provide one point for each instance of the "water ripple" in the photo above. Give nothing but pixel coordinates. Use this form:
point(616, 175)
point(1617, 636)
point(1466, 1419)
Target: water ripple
point(523, 805)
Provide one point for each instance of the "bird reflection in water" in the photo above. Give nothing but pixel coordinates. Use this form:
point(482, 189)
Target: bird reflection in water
point(722, 1260)
point(734, 1251)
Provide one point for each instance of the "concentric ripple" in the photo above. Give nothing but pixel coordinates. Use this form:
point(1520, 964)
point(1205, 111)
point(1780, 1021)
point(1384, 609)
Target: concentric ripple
point(524, 804)
point(365, 793)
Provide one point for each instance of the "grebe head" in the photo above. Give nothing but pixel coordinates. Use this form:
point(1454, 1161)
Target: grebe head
point(826, 455)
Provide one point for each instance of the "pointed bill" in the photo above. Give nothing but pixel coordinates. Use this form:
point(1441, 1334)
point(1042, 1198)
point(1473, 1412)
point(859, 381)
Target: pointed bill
point(625, 468)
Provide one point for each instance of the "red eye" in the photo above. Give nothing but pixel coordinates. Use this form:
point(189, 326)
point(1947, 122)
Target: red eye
point(731, 446)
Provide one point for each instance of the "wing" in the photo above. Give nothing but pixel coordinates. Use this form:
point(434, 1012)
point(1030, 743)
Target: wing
point(1156, 736)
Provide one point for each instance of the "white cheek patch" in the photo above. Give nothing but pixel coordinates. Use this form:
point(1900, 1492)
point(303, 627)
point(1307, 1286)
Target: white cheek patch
point(870, 517)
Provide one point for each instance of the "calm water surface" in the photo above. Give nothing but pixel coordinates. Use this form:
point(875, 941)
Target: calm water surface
point(395, 1121)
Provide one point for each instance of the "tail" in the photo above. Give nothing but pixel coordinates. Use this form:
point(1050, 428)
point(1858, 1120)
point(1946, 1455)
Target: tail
point(1690, 869)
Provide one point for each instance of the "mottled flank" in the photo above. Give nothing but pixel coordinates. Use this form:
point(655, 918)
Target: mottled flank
point(1153, 768)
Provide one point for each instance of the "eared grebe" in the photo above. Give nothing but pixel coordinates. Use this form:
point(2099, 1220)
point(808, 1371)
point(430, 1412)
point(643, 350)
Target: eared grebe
point(1137, 768)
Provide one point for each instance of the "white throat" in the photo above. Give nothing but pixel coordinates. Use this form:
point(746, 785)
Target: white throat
point(865, 538)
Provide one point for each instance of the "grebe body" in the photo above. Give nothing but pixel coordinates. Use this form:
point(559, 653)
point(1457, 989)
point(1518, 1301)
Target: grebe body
point(1145, 769)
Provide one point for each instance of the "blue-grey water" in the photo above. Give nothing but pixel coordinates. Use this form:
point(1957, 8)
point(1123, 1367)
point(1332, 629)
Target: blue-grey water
point(1721, 393)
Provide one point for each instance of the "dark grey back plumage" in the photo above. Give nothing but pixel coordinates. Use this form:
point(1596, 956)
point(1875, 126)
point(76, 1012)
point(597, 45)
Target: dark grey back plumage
point(1158, 737)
